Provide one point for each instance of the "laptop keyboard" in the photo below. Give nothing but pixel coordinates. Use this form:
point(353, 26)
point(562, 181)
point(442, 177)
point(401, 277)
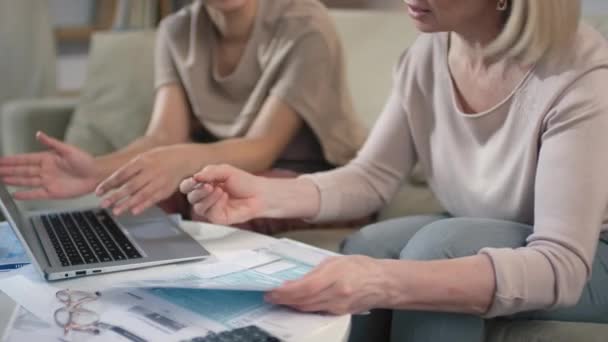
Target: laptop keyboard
point(87, 237)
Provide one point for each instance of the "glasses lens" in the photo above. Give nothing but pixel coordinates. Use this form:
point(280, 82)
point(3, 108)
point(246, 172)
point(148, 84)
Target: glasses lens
point(63, 296)
point(74, 297)
point(62, 317)
point(84, 317)
point(76, 317)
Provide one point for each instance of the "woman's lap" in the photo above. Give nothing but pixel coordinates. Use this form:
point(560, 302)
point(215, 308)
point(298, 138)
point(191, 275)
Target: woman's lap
point(386, 239)
point(441, 237)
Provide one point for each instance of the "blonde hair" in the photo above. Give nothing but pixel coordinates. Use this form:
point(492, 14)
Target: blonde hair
point(534, 28)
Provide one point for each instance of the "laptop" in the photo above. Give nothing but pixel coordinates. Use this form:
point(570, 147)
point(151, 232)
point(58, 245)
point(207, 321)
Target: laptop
point(75, 243)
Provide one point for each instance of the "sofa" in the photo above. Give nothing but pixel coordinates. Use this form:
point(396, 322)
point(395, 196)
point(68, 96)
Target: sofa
point(115, 103)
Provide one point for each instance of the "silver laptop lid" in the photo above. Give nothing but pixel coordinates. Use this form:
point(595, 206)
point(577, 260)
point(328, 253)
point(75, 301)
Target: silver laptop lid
point(18, 222)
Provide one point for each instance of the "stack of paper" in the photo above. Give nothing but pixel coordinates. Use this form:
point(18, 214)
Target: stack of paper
point(189, 301)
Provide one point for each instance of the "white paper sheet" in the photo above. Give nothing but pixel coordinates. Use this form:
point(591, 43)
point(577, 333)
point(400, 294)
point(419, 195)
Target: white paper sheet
point(258, 270)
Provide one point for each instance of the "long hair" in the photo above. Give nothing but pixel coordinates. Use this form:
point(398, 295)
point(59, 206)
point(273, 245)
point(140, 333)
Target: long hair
point(534, 28)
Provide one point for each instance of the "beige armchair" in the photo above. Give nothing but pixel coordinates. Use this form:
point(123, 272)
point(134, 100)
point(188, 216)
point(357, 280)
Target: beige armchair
point(27, 65)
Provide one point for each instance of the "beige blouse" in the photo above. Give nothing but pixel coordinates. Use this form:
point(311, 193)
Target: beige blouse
point(538, 158)
point(293, 53)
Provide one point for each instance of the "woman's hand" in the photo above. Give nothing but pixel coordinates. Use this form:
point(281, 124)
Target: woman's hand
point(224, 194)
point(144, 181)
point(63, 172)
point(339, 285)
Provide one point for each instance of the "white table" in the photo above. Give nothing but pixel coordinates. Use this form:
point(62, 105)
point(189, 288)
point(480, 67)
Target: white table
point(218, 240)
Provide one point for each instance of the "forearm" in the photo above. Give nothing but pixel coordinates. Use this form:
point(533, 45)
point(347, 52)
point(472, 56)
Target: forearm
point(289, 198)
point(251, 155)
point(464, 285)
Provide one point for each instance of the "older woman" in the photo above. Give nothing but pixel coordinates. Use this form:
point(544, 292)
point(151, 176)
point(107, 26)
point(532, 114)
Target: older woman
point(259, 84)
point(503, 105)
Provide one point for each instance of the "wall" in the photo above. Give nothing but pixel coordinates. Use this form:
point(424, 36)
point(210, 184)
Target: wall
point(596, 6)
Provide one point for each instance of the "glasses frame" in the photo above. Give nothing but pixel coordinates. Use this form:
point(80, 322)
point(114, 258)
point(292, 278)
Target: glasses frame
point(73, 301)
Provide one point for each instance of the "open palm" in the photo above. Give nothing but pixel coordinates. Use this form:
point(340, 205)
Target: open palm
point(63, 172)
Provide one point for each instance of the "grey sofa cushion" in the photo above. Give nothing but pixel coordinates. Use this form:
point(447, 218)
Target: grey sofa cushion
point(545, 331)
point(116, 102)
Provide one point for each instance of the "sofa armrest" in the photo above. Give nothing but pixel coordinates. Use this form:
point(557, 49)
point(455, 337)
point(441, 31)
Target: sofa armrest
point(20, 120)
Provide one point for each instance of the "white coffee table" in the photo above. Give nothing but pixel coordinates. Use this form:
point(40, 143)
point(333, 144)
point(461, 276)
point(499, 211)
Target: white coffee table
point(218, 240)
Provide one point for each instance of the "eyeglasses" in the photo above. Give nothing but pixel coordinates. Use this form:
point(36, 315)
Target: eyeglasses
point(73, 317)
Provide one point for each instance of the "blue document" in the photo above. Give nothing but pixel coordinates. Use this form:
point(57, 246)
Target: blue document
point(12, 254)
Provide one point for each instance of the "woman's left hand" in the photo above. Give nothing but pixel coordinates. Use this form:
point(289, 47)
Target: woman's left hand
point(339, 285)
point(144, 181)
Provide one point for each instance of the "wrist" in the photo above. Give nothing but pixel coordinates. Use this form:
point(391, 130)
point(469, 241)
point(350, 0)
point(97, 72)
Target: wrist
point(394, 281)
point(187, 167)
point(269, 204)
point(288, 198)
point(99, 173)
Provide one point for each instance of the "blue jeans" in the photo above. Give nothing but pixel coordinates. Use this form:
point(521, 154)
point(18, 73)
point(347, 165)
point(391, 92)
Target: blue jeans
point(442, 237)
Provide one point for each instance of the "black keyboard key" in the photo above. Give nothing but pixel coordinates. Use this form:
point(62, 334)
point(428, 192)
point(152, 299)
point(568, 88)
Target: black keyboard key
point(83, 248)
point(58, 239)
point(104, 236)
point(76, 234)
point(121, 239)
point(88, 237)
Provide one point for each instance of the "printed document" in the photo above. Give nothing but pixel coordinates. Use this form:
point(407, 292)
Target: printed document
point(187, 301)
point(257, 270)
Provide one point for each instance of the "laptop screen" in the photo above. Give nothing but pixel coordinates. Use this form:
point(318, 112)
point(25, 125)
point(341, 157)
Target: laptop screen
point(9, 207)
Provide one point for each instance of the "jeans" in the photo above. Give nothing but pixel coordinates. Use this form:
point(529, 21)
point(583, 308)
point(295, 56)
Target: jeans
point(442, 237)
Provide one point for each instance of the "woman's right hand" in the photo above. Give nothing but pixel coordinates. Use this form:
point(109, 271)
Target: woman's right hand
point(224, 194)
point(63, 172)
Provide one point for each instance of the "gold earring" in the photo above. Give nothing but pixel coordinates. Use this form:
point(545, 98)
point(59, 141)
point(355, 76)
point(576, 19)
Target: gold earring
point(502, 5)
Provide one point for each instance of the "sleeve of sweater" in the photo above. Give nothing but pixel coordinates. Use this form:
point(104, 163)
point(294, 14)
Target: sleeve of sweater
point(571, 197)
point(371, 179)
point(165, 71)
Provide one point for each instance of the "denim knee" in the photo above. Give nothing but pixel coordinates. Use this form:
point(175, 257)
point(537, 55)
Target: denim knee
point(460, 237)
point(363, 242)
point(445, 239)
point(386, 239)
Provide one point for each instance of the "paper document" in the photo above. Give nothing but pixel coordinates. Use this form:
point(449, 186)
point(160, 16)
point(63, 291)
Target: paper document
point(28, 327)
point(261, 269)
point(173, 313)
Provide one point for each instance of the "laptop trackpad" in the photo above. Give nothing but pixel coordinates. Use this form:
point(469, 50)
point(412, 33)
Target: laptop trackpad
point(152, 230)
